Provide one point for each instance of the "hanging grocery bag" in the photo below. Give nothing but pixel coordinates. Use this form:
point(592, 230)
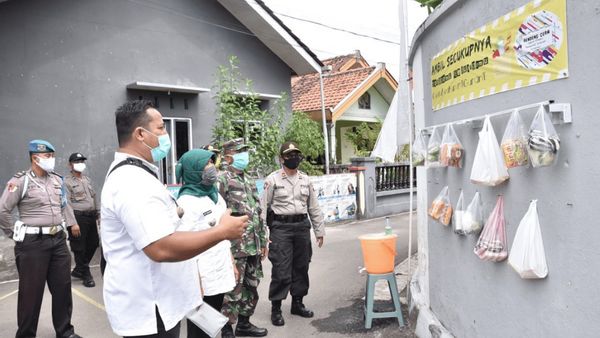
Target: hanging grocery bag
point(514, 142)
point(419, 150)
point(472, 217)
point(441, 210)
point(433, 149)
point(488, 164)
point(457, 217)
point(491, 245)
point(452, 151)
point(527, 255)
point(543, 142)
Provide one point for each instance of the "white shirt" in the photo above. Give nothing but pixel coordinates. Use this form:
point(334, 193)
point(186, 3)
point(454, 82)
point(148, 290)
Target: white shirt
point(215, 264)
point(136, 211)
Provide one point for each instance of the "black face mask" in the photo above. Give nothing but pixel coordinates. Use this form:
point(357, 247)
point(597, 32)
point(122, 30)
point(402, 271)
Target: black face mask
point(292, 162)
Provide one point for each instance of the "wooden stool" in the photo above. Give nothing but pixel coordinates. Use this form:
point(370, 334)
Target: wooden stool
point(369, 298)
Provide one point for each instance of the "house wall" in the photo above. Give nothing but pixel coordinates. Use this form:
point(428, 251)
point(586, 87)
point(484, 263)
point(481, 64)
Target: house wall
point(354, 117)
point(64, 67)
point(473, 298)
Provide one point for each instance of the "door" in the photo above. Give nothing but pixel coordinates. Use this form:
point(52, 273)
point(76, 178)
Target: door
point(180, 132)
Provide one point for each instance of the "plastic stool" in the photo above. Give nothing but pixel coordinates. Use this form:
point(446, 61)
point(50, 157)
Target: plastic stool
point(369, 298)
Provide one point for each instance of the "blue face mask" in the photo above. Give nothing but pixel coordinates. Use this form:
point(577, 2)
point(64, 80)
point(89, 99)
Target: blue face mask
point(163, 148)
point(240, 160)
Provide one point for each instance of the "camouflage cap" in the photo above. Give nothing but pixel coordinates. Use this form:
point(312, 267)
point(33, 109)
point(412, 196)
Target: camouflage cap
point(236, 144)
point(288, 147)
point(209, 147)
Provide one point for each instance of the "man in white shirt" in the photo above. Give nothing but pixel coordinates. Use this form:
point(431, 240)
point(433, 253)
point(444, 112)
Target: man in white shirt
point(146, 293)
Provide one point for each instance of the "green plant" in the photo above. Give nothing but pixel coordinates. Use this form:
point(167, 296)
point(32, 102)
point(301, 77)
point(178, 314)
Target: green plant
point(241, 116)
point(364, 137)
point(430, 4)
point(308, 135)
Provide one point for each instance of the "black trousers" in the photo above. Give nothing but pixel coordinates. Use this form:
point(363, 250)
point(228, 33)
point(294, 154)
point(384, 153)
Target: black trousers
point(41, 259)
point(289, 252)
point(84, 247)
point(160, 327)
point(216, 302)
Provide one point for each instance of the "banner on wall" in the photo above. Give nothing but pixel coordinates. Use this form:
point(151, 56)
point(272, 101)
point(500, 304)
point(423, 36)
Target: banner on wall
point(525, 47)
point(336, 195)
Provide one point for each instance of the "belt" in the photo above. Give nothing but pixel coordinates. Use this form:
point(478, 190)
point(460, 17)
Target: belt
point(91, 213)
point(44, 230)
point(290, 218)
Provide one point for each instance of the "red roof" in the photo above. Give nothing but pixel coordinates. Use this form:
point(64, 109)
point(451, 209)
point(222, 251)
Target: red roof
point(306, 90)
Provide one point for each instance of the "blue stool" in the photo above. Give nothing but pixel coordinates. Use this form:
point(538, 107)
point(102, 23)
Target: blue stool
point(369, 295)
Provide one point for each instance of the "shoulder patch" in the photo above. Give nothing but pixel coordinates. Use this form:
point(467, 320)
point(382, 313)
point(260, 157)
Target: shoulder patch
point(11, 187)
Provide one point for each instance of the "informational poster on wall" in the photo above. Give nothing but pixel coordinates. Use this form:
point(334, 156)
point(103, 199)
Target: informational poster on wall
point(336, 195)
point(525, 47)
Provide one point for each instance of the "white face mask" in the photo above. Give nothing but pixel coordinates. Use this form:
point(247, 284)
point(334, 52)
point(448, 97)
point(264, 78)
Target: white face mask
point(79, 167)
point(46, 163)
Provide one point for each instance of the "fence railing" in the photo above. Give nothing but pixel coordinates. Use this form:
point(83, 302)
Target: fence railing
point(394, 176)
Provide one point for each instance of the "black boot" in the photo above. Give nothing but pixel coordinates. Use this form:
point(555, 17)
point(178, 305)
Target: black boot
point(299, 309)
point(227, 331)
point(276, 317)
point(246, 329)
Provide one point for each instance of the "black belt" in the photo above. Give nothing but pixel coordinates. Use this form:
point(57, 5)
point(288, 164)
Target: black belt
point(92, 213)
point(290, 218)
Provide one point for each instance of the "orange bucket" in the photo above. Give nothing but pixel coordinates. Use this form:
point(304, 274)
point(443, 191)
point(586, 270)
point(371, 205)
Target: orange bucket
point(378, 251)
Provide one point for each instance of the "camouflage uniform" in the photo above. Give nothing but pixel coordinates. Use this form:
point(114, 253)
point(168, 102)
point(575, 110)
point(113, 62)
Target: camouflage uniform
point(241, 195)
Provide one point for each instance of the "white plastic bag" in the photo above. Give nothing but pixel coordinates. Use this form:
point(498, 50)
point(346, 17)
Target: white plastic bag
point(457, 215)
point(514, 142)
point(472, 217)
point(208, 319)
point(543, 142)
point(527, 255)
point(488, 164)
point(433, 149)
point(451, 153)
point(419, 150)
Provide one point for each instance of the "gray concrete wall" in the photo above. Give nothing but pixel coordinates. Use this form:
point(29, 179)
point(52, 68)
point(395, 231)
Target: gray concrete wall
point(64, 66)
point(473, 298)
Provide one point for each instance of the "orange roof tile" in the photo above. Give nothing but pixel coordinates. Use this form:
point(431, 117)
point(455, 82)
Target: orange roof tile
point(306, 90)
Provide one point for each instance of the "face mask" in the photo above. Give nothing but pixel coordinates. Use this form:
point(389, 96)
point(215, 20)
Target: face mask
point(292, 162)
point(79, 167)
point(163, 148)
point(46, 163)
point(241, 160)
point(209, 175)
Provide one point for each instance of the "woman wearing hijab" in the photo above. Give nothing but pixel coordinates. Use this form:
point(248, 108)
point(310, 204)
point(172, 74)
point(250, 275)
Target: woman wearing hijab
point(203, 208)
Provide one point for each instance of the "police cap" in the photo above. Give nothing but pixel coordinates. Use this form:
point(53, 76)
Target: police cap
point(40, 146)
point(77, 157)
point(288, 147)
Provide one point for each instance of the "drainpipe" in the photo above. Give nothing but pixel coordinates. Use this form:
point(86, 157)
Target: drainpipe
point(325, 137)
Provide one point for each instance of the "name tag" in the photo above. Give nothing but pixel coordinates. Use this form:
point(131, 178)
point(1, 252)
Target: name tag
point(206, 213)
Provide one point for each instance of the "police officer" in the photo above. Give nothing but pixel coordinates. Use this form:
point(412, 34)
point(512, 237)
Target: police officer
point(288, 201)
point(41, 252)
point(82, 198)
point(241, 196)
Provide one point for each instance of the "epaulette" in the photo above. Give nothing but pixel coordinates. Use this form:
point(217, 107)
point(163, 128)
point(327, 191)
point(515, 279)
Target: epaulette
point(53, 173)
point(20, 174)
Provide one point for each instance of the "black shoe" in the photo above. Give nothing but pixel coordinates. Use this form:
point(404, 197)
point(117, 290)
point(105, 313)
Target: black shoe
point(227, 331)
point(89, 282)
point(77, 274)
point(277, 319)
point(246, 329)
point(75, 335)
point(299, 309)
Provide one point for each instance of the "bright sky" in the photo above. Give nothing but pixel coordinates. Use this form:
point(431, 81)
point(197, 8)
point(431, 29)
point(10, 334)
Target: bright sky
point(377, 18)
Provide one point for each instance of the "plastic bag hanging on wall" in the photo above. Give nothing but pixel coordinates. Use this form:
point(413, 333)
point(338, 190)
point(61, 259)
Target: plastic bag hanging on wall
point(514, 142)
point(452, 151)
point(457, 217)
point(441, 209)
point(488, 163)
point(433, 149)
point(543, 142)
point(527, 255)
point(491, 245)
point(472, 217)
point(419, 150)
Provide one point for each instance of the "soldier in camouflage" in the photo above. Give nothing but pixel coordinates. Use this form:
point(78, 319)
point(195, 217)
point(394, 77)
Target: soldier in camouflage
point(241, 195)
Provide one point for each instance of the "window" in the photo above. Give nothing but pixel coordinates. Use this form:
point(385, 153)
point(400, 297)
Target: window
point(251, 131)
point(365, 101)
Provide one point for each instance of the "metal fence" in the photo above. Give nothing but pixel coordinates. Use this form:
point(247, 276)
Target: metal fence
point(394, 176)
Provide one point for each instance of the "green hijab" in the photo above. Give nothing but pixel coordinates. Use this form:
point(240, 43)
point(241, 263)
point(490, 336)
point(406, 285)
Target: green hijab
point(189, 172)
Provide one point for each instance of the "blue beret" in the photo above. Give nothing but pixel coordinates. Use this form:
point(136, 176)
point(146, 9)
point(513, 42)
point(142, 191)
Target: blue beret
point(40, 146)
